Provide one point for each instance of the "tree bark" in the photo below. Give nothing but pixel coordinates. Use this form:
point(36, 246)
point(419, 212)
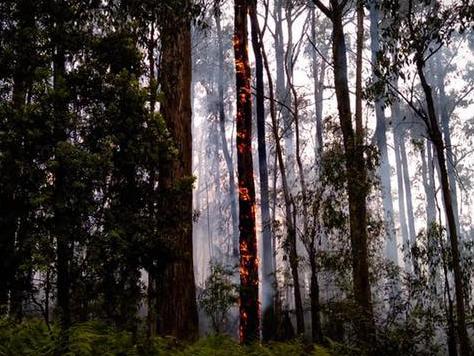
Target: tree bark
point(268, 273)
point(282, 89)
point(319, 73)
point(428, 183)
point(249, 310)
point(177, 309)
point(411, 241)
point(444, 119)
point(357, 187)
point(64, 248)
point(391, 249)
point(436, 137)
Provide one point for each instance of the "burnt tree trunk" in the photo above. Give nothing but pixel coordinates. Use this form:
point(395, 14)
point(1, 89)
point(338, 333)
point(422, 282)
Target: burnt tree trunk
point(249, 310)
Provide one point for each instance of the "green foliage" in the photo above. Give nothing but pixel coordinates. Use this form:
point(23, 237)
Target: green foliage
point(219, 295)
point(33, 338)
point(28, 338)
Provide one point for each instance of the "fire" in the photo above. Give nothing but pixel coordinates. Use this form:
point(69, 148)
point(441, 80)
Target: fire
point(244, 194)
point(249, 307)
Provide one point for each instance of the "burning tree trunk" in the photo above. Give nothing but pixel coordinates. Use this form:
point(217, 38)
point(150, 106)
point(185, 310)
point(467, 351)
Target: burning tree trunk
point(249, 318)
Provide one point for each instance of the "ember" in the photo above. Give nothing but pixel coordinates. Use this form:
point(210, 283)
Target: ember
point(249, 305)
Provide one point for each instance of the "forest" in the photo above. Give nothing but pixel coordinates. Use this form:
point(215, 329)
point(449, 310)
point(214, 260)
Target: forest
point(236, 177)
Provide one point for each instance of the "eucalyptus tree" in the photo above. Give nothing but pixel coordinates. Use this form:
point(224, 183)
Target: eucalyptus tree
point(249, 309)
point(356, 172)
point(420, 30)
point(268, 271)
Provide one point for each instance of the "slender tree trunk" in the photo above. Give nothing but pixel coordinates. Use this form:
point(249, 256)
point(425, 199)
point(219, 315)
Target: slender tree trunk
point(411, 242)
point(268, 273)
point(356, 170)
point(430, 206)
point(319, 73)
point(284, 68)
point(316, 329)
point(428, 183)
point(318, 76)
point(437, 139)
point(357, 186)
point(282, 90)
point(446, 130)
point(177, 309)
point(452, 349)
point(64, 249)
point(358, 93)
point(249, 310)
point(152, 318)
point(280, 332)
point(402, 216)
point(300, 325)
point(227, 156)
point(381, 139)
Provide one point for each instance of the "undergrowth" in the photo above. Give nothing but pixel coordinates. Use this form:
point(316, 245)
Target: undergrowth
point(34, 338)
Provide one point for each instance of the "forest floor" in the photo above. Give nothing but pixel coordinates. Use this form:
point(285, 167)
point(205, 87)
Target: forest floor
point(35, 338)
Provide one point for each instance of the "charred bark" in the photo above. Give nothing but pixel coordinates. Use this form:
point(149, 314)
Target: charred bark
point(249, 310)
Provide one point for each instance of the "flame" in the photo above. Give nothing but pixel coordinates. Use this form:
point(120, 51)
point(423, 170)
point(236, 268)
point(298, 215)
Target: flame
point(244, 194)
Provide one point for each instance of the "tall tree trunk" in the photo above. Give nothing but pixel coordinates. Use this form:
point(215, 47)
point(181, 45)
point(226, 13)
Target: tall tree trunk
point(64, 248)
point(225, 150)
point(284, 68)
point(411, 242)
point(381, 139)
point(319, 73)
point(358, 94)
point(177, 309)
point(444, 119)
point(268, 273)
point(316, 329)
point(249, 310)
point(152, 320)
point(402, 216)
point(14, 208)
point(436, 137)
point(430, 206)
point(282, 89)
point(286, 192)
point(427, 173)
point(298, 299)
point(318, 77)
point(357, 186)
